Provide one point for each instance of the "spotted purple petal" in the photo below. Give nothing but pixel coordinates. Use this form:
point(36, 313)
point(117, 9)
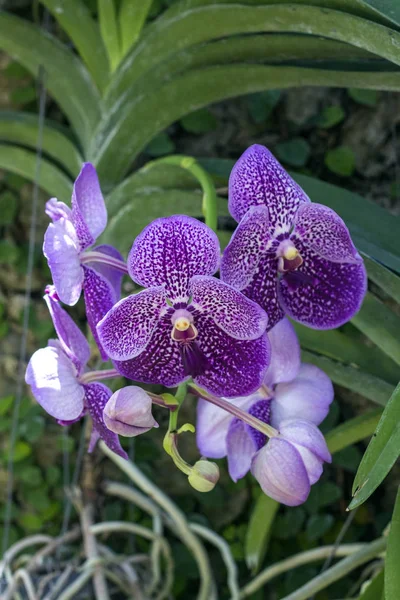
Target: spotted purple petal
point(159, 362)
point(127, 328)
point(285, 354)
point(280, 471)
point(96, 397)
point(325, 233)
point(212, 425)
point(235, 314)
point(53, 380)
point(307, 397)
point(170, 251)
point(89, 213)
point(320, 293)
point(240, 449)
point(234, 367)
point(72, 340)
point(61, 248)
point(258, 178)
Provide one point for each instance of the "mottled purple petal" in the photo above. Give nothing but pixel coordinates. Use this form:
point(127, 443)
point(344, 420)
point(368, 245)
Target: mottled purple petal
point(258, 178)
point(280, 471)
point(72, 340)
point(235, 314)
point(53, 380)
point(285, 354)
point(126, 329)
point(170, 251)
point(96, 397)
point(235, 367)
point(330, 294)
point(61, 248)
point(160, 361)
point(212, 426)
point(89, 213)
point(128, 412)
point(249, 242)
point(307, 397)
point(57, 210)
point(322, 230)
point(240, 449)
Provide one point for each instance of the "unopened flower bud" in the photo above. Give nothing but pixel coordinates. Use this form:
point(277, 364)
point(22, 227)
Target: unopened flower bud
point(204, 475)
point(128, 412)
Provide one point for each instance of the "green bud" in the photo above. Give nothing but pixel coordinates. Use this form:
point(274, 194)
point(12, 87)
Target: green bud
point(204, 475)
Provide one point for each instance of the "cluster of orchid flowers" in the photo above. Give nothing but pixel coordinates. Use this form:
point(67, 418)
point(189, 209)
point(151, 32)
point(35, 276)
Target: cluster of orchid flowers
point(226, 338)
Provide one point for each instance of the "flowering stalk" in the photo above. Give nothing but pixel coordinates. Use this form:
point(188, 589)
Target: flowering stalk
point(93, 256)
point(91, 376)
point(236, 412)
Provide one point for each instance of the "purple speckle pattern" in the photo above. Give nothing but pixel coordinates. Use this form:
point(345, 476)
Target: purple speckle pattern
point(334, 295)
point(72, 340)
point(126, 329)
point(236, 367)
point(258, 178)
point(170, 251)
point(325, 233)
point(248, 243)
point(96, 397)
point(159, 362)
point(89, 213)
point(235, 314)
point(263, 289)
point(261, 410)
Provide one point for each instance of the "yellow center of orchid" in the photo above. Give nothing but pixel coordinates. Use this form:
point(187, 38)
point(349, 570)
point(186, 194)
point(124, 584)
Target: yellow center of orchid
point(182, 324)
point(290, 253)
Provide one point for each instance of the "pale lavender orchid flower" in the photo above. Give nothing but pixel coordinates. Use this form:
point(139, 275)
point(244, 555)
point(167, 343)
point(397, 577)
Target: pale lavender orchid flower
point(292, 393)
point(128, 412)
point(67, 238)
point(291, 256)
point(185, 323)
point(59, 381)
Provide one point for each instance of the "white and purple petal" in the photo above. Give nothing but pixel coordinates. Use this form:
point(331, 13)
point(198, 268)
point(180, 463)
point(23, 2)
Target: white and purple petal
point(72, 340)
point(128, 412)
point(126, 329)
point(258, 178)
point(307, 397)
point(96, 397)
point(235, 314)
point(233, 367)
point(61, 248)
point(170, 251)
point(89, 213)
point(320, 293)
point(285, 354)
point(54, 384)
point(241, 448)
point(280, 471)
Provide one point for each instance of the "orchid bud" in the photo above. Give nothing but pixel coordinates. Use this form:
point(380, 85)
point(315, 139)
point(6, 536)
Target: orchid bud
point(128, 412)
point(291, 462)
point(204, 475)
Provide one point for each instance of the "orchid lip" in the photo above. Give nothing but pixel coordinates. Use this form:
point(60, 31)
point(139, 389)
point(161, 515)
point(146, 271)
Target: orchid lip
point(289, 258)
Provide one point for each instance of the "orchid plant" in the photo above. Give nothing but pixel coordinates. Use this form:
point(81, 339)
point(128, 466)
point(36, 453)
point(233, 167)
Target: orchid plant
point(226, 341)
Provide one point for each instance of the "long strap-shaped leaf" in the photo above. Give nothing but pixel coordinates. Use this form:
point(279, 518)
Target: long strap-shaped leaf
point(132, 17)
point(205, 23)
point(22, 128)
point(128, 129)
point(66, 77)
point(76, 20)
point(109, 31)
point(392, 571)
point(23, 162)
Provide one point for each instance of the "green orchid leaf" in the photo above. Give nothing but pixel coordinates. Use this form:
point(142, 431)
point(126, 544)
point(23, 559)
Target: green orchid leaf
point(75, 18)
point(352, 431)
point(109, 31)
point(258, 530)
point(392, 573)
point(385, 279)
point(132, 17)
point(382, 452)
point(23, 162)
point(65, 76)
point(374, 590)
point(22, 128)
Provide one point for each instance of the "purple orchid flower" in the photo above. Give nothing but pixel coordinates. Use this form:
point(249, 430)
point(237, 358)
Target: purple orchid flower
point(291, 393)
point(67, 238)
point(60, 384)
point(288, 254)
point(185, 323)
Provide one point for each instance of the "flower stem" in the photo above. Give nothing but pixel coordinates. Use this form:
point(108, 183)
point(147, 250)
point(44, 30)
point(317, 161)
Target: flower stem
point(99, 257)
point(236, 411)
point(91, 376)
